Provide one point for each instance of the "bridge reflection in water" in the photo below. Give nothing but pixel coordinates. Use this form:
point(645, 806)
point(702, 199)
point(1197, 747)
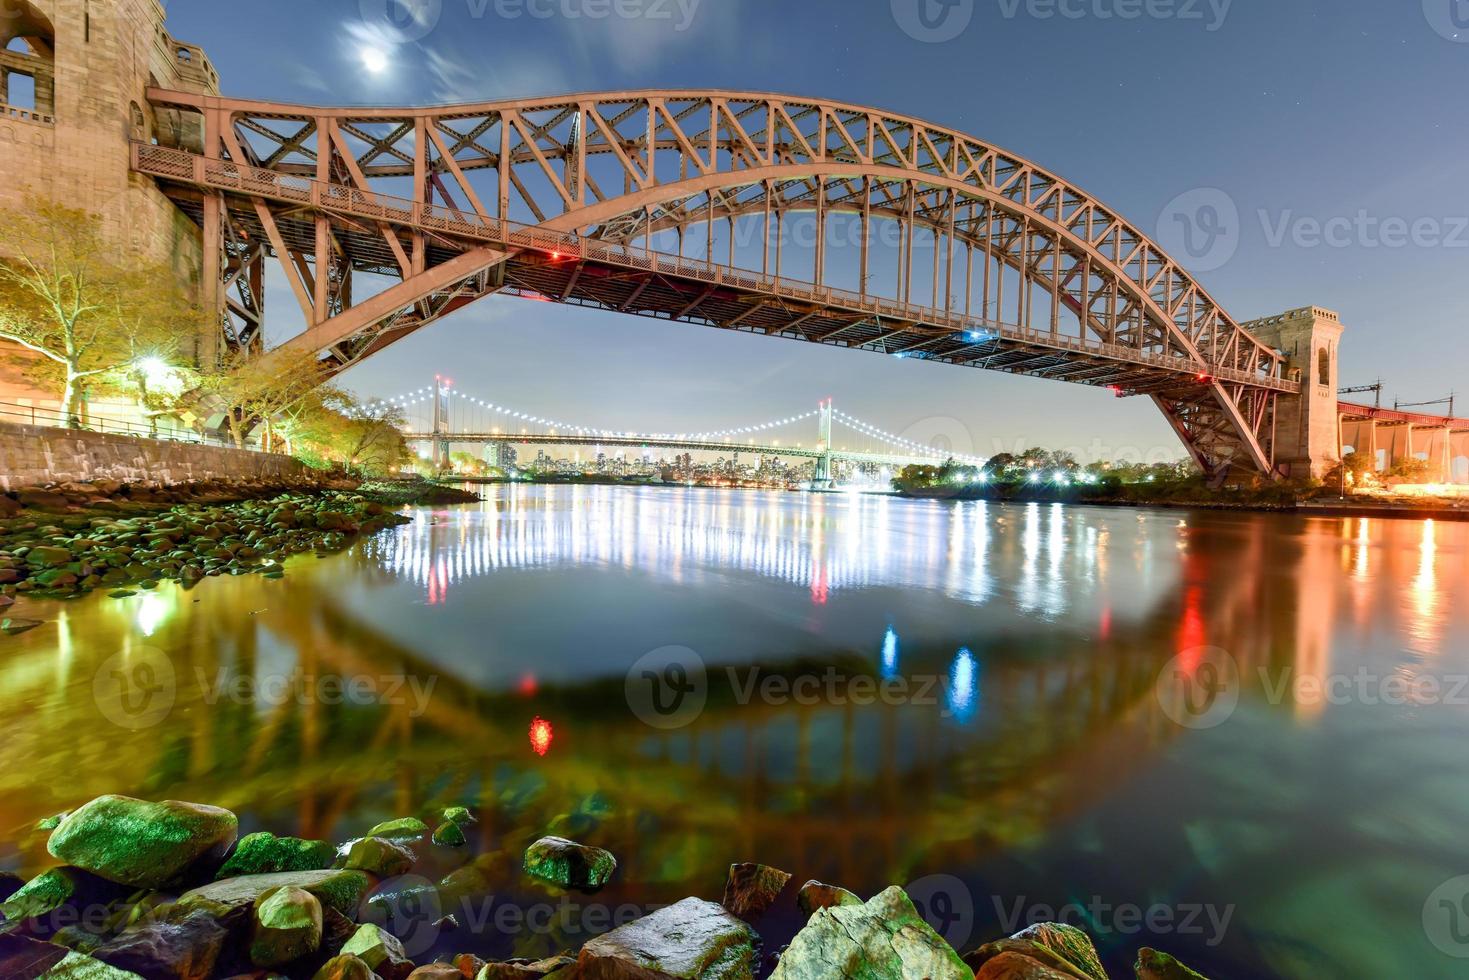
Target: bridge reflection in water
point(1040, 764)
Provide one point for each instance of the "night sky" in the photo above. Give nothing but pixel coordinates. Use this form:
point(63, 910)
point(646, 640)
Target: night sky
point(1298, 111)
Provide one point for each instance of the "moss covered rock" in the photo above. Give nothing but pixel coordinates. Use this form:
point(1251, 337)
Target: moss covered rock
point(344, 967)
point(147, 845)
point(265, 853)
point(285, 926)
point(1068, 942)
point(449, 834)
point(688, 939)
point(569, 864)
point(380, 856)
point(338, 889)
point(380, 950)
point(883, 937)
point(401, 829)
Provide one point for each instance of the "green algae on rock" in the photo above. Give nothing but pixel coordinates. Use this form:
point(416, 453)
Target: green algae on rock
point(569, 864)
point(883, 937)
point(344, 967)
point(143, 844)
point(265, 853)
point(1068, 942)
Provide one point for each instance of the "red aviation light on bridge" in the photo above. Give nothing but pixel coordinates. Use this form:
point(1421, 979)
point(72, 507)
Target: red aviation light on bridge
point(1204, 378)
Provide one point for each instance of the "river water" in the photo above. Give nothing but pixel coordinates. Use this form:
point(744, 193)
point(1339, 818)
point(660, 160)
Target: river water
point(1237, 737)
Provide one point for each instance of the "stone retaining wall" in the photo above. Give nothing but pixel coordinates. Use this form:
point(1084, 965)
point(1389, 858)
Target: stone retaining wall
point(33, 456)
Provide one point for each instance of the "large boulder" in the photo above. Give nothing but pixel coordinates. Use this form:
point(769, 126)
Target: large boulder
point(569, 864)
point(184, 948)
point(1002, 959)
point(688, 939)
point(265, 853)
point(884, 937)
point(1154, 965)
point(146, 845)
point(286, 926)
point(750, 889)
point(337, 889)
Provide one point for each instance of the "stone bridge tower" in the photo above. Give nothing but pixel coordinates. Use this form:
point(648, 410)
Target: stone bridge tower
point(73, 78)
point(1308, 428)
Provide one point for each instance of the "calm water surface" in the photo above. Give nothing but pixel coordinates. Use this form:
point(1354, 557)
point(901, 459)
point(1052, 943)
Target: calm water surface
point(960, 697)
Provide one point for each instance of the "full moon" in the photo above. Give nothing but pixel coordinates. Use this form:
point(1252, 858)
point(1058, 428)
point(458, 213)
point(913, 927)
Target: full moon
point(374, 60)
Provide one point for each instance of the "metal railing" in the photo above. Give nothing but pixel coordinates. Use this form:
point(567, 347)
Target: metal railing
point(163, 432)
point(187, 167)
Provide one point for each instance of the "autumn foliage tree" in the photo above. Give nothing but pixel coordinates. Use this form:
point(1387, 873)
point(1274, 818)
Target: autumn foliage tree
point(87, 310)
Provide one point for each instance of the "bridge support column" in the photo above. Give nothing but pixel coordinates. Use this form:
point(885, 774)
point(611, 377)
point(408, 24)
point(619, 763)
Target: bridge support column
point(1307, 433)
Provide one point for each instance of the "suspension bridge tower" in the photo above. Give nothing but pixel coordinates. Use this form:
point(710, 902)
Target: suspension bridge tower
point(822, 477)
point(442, 429)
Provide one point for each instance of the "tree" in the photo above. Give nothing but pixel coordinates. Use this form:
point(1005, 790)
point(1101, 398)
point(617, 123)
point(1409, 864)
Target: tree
point(260, 389)
point(69, 297)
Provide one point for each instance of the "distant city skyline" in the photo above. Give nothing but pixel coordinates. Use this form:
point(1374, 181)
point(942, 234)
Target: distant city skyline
point(1220, 135)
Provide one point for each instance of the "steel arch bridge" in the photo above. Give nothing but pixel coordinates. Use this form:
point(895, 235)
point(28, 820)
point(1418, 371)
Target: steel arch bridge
point(565, 199)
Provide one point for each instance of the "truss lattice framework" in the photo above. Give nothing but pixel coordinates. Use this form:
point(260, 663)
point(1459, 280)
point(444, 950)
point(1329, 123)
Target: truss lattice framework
point(564, 199)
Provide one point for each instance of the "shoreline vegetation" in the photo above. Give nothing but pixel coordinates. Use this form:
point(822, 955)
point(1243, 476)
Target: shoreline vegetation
point(168, 889)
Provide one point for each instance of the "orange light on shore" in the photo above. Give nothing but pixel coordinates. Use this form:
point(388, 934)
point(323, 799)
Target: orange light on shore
point(541, 735)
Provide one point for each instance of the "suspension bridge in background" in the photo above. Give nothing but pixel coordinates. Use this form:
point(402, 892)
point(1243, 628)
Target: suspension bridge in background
point(439, 416)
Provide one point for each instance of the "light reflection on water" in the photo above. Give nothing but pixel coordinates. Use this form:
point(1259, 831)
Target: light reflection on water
point(1037, 764)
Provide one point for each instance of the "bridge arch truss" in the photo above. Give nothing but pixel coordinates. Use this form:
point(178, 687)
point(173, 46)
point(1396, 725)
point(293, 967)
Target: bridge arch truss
point(912, 239)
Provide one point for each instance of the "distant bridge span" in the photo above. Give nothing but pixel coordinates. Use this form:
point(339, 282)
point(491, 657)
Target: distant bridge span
point(681, 445)
point(565, 198)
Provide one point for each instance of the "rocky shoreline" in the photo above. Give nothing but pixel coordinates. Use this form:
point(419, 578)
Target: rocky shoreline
point(166, 890)
point(64, 541)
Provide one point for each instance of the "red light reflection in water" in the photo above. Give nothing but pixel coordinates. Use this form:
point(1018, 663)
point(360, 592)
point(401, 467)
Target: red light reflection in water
point(1191, 629)
point(541, 735)
point(819, 587)
point(1106, 625)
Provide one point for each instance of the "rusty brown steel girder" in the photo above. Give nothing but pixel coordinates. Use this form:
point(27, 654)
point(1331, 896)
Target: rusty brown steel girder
point(565, 199)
